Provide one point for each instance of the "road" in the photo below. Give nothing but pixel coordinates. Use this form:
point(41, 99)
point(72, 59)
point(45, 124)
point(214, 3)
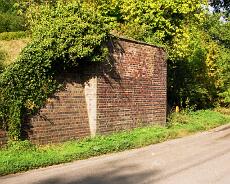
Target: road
point(203, 158)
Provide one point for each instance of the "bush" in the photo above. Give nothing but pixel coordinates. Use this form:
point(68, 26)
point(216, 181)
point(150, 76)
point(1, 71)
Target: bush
point(10, 23)
point(9, 20)
point(2, 58)
point(178, 119)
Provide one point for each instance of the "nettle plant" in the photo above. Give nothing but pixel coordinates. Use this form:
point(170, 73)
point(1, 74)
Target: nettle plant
point(62, 36)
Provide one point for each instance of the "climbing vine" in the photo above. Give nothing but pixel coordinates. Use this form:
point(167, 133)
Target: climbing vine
point(62, 36)
point(67, 32)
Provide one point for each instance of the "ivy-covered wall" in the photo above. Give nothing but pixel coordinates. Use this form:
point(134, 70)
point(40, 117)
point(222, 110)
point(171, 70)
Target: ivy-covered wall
point(126, 91)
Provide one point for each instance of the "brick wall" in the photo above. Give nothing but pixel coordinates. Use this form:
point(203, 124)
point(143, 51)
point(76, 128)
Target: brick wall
point(136, 96)
point(127, 91)
point(63, 118)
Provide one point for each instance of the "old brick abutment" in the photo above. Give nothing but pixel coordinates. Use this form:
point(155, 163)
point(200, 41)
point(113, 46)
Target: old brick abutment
point(127, 91)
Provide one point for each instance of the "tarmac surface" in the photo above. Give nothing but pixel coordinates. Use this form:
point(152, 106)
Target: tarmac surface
point(203, 158)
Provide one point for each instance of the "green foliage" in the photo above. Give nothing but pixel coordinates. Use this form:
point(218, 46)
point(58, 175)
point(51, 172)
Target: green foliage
point(157, 21)
point(178, 119)
point(220, 32)
point(14, 146)
point(225, 97)
point(199, 65)
point(82, 29)
point(9, 20)
point(153, 21)
point(13, 35)
point(65, 33)
point(2, 58)
point(7, 5)
point(63, 36)
point(22, 156)
point(189, 83)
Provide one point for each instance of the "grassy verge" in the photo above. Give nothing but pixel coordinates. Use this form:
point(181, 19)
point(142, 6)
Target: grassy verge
point(23, 156)
point(11, 49)
point(13, 35)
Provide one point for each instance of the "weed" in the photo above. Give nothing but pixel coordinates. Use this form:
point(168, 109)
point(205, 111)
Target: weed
point(22, 156)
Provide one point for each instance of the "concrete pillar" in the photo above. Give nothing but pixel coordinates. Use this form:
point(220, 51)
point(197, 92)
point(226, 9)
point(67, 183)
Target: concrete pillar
point(91, 103)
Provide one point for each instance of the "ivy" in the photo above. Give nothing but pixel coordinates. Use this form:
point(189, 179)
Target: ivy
point(62, 36)
point(66, 32)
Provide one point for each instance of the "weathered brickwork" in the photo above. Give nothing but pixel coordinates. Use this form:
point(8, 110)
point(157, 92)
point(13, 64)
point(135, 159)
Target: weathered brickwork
point(63, 118)
point(127, 92)
point(137, 96)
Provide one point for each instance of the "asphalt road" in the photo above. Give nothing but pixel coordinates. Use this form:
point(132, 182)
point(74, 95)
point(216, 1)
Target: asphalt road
point(199, 159)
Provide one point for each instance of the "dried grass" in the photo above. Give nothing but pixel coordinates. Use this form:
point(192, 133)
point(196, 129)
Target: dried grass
point(12, 49)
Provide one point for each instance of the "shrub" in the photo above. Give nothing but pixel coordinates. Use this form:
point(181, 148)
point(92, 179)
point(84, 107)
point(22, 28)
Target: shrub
point(2, 58)
point(178, 119)
point(10, 22)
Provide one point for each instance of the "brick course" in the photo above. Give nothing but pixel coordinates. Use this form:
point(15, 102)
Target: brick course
point(137, 96)
point(128, 91)
point(63, 118)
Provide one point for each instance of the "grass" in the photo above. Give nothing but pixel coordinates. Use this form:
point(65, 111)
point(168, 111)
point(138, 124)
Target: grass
point(13, 35)
point(22, 156)
point(223, 110)
point(11, 44)
point(11, 49)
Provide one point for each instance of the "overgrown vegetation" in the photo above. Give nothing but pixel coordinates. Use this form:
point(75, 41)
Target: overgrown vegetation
point(63, 36)
point(22, 156)
point(2, 58)
point(13, 35)
point(199, 72)
point(10, 21)
point(65, 33)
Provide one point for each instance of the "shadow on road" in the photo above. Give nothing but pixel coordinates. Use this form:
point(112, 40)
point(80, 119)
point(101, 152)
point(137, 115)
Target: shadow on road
point(126, 174)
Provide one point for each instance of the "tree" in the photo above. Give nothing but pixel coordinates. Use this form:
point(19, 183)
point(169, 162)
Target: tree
point(220, 33)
